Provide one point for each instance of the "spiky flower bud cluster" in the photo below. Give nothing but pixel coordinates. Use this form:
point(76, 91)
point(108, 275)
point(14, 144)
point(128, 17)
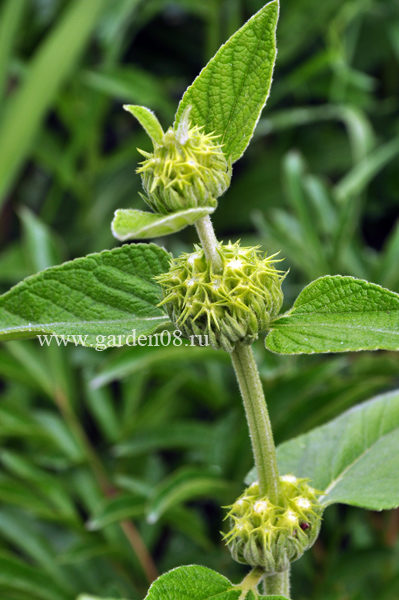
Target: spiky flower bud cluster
point(233, 305)
point(187, 169)
point(273, 536)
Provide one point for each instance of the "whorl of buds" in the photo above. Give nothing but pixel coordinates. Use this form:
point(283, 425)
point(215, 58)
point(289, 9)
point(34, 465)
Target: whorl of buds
point(273, 536)
point(235, 305)
point(187, 169)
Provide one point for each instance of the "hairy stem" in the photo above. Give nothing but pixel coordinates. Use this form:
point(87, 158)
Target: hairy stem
point(255, 406)
point(278, 584)
point(209, 242)
point(258, 421)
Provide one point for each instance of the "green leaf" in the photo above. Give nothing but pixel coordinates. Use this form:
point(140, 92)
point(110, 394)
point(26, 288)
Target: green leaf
point(48, 70)
point(228, 95)
point(129, 223)
point(354, 459)
point(192, 583)
point(338, 314)
point(86, 597)
point(147, 120)
point(197, 583)
point(92, 301)
point(17, 576)
point(185, 484)
point(115, 510)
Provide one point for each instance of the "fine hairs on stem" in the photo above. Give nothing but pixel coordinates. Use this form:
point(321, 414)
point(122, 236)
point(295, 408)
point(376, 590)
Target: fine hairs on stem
point(256, 411)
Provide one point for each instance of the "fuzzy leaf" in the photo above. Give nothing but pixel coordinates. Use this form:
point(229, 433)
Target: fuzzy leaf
point(147, 120)
point(192, 583)
point(338, 314)
point(129, 223)
point(354, 459)
point(197, 583)
point(105, 294)
point(228, 95)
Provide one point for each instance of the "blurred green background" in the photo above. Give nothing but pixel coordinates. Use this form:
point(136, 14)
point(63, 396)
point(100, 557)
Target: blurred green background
point(115, 464)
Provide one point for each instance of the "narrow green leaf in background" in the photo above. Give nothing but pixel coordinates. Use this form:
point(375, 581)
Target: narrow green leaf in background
point(185, 484)
point(354, 459)
point(229, 94)
point(107, 294)
point(338, 314)
point(115, 510)
point(147, 120)
point(129, 223)
point(49, 68)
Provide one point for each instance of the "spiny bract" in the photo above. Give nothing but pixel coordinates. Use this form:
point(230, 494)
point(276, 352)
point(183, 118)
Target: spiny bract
point(186, 170)
point(235, 305)
point(273, 536)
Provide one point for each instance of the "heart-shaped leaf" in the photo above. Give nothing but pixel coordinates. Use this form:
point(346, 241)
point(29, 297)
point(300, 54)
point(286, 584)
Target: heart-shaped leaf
point(198, 583)
point(338, 314)
point(129, 223)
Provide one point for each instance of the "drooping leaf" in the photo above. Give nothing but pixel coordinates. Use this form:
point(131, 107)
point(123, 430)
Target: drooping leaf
point(192, 583)
point(93, 301)
point(147, 120)
point(354, 459)
point(338, 314)
point(228, 95)
point(130, 224)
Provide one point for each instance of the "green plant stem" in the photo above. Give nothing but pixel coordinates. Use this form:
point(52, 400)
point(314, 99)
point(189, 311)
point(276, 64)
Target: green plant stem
point(260, 428)
point(258, 421)
point(278, 584)
point(209, 242)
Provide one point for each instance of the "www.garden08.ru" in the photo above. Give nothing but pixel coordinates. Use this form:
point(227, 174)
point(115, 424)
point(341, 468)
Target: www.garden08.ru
point(102, 342)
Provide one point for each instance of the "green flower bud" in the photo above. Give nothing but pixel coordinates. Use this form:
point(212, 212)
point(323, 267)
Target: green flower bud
point(273, 536)
point(186, 170)
point(232, 306)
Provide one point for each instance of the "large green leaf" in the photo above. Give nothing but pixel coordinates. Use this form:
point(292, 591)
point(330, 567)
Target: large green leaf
point(354, 459)
point(338, 314)
point(197, 583)
point(192, 583)
point(132, 224)
point(96, 299)
point(228, 95)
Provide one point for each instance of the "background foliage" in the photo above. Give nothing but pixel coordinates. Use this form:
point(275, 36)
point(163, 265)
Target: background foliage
point(92, 442)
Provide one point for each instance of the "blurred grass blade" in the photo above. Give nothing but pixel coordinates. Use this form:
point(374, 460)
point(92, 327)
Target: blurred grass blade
point(185, 484)
point(388, 268)
point(49, 68)
point(135, 361)
point(10, 18)
point(354, 182)
point(18, 577)
point(294, 173)
point(116, 510)
point(40, 246)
